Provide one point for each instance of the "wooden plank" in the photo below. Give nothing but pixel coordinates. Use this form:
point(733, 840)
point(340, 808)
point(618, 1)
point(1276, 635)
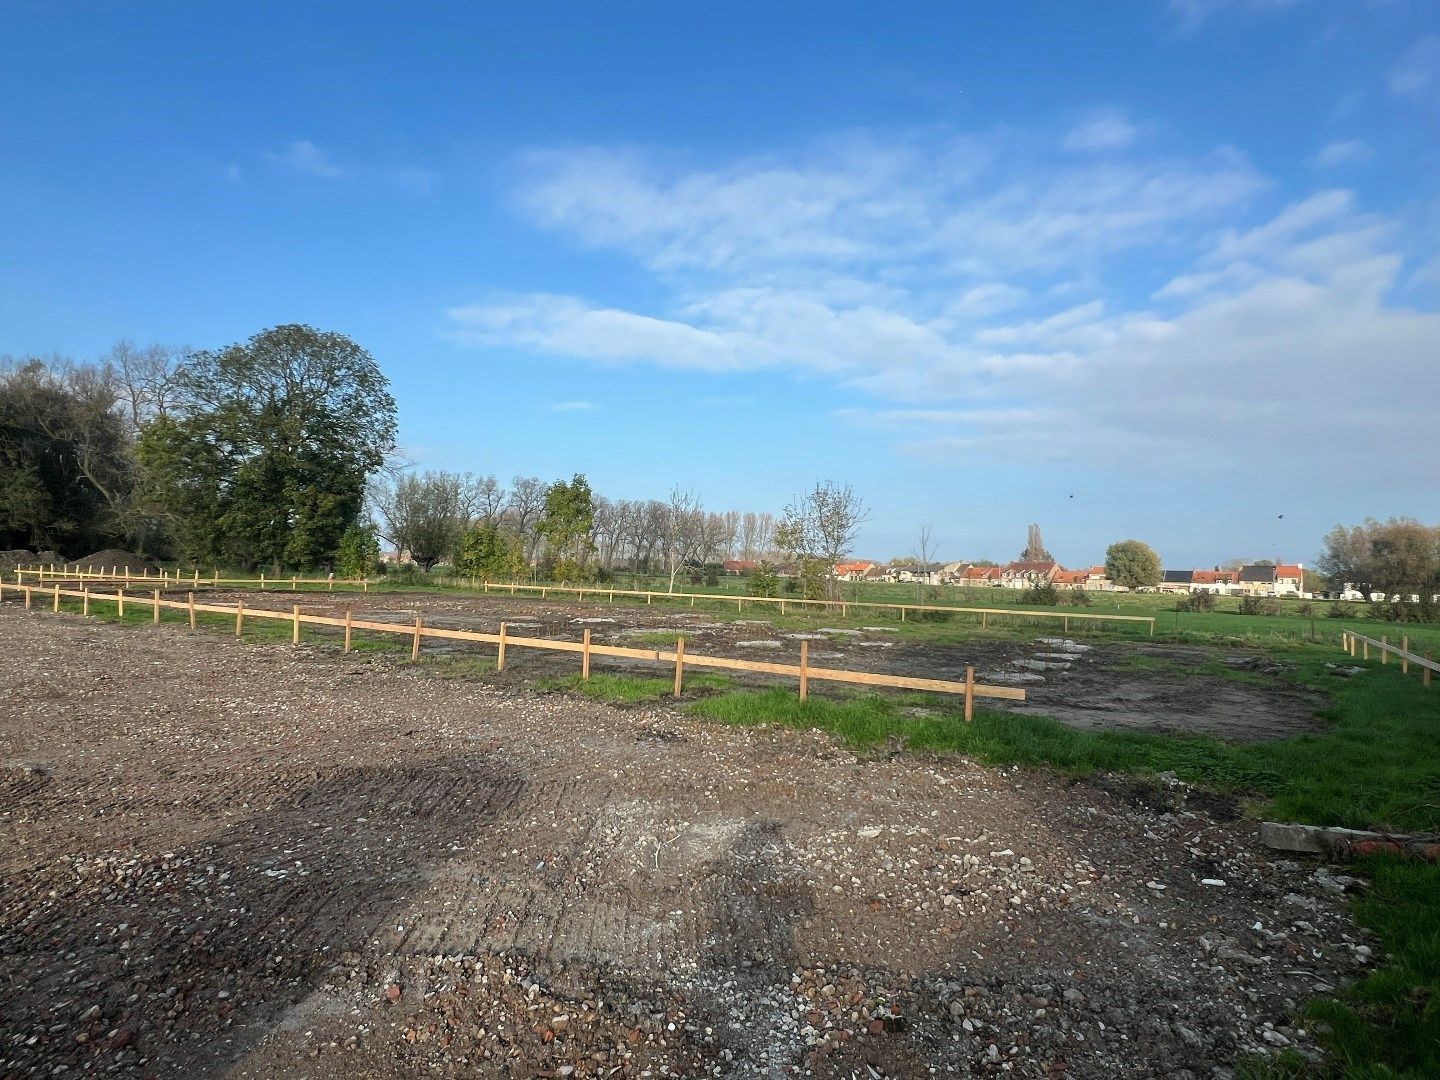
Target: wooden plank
point(1386, 649)
point(349, 615)
point(804, 670)
point(679, 665)
point(969, 693)
point(585, 657)
point(500, 652)
point(415, 645)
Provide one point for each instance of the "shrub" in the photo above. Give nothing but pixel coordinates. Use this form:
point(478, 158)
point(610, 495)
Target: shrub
point(1403, 611)
point(1196, 601)
point(765, 582)
point(359, 552)
point(712, 575)
point(1259, 605)
point(1078, 597)
point(1041, 594)
point(815, 578)
point(792, 584)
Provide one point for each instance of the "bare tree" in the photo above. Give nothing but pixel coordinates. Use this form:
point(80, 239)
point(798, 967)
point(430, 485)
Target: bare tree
point(145, 379)
point(523, 510)
point(925, 552)
point(684, 532)
point(1035, 547)
point(823, 525)
point(424, 514)
point(490, 500)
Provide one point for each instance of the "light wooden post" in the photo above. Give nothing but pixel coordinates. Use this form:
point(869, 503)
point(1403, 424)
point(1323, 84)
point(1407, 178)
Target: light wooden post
point(349, 617)
point(27, 596)
point(155, 606)
point(969, 693)
point(1384, 653)
point(195, 581)
point(292, 582)
point(330, 586)
point(295, 624)
point(415, 644)
point(55, 606)
point(85, 600)
point(902, 614)
point(500, 653)
point(585, 656)
point(804, 670)
point(190, 608)
point(984, 620)
point(262, 580)
point(1404, 660)
point(239, 616)
point(680, 665)
point(120, 602)
point(1065, 625)
point(1364, 648)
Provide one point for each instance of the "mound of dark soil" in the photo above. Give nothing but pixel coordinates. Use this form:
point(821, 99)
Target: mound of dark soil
point(19, 557)
point(117, 558)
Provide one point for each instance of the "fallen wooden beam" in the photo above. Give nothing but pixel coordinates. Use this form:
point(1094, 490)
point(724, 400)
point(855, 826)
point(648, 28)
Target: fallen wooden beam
point(1317, 840)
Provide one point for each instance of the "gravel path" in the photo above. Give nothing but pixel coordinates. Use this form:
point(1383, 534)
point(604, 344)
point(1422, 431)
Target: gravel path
point(256, 861)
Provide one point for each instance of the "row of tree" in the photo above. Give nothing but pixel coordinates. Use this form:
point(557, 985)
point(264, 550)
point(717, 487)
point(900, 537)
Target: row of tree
point(256, 454)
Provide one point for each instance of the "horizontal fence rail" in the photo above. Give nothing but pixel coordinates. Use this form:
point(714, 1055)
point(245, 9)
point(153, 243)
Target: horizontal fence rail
point(118, 574)
point(1359, 645)
point(650, 595)
point(679, 657)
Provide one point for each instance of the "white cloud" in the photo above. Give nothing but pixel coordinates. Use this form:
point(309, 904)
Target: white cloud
point(1417, 72)
point(1195, 13)
point(988, 300)
point(1103, 131)
point(573, 406)
point(305, 157)
point(1344, 152)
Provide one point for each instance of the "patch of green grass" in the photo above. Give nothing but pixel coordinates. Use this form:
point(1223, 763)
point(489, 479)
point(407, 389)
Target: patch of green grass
point(1388, 1024)
point(659, 639)
point(630, 689)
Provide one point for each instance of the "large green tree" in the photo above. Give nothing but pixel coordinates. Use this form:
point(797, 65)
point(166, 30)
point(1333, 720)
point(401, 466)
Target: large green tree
point(66, 465)
point(1133, 564)
point(264, 450)
point(565, 525)
point(1400, 555)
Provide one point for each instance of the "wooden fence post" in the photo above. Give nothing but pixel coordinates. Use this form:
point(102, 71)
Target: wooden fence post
point(295, 624)
point(680, 665)
point(1404, 660)
point(190, 608)
point(969, 694)
point(1384, 652)
point(804, 670)
point(85, 600)
point(119, 602)
point(56, 605)
point(585, 657)
point(239, 616)
point(27, 596)
point(415, 645)
point(500, 652)
point(1364, 648)
point(155, 606)
point(262, 580)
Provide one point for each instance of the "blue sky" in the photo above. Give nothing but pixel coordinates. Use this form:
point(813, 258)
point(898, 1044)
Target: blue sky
point(1179, 259)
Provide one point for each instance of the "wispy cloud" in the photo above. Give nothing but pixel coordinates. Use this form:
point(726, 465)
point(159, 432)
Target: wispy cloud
point(1195, 13)
point(573, 406)
point(1344, 152)
point(1417, 72)
point(989, 300)
point(305, 157)
point(1102, 131)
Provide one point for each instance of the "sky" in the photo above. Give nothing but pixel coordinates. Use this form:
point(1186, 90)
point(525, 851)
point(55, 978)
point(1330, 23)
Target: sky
point(1165, 269)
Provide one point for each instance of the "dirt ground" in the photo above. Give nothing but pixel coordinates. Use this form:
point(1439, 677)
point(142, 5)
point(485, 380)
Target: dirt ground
point(253, 860)
point(1091, 687)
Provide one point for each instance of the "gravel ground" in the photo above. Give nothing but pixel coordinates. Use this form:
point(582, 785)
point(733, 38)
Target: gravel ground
point(259, 861)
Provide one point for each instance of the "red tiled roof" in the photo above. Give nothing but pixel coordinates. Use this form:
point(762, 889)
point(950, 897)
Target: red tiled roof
point(853, 567)
point(1071, 577)
point(1289, 571)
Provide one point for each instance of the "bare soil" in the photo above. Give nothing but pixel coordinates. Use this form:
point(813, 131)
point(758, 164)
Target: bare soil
point(254, 860)
point(1094, 688)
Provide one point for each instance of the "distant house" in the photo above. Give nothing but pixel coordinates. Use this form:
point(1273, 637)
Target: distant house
point(854, 571)
point(950, 572)
point(1218, 581)
point(1100, 580)
point(927, 573)
point(1025, 573)
point(739, 566)
point(982, 575)
point(1070, 579)
point(1256, 579)
point(1177, 580)
point(1289, 579)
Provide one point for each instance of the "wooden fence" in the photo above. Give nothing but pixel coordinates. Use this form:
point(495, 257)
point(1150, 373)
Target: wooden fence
point(582, 591)
point(1359, 645)
point(679, 658)
point(166, 579)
